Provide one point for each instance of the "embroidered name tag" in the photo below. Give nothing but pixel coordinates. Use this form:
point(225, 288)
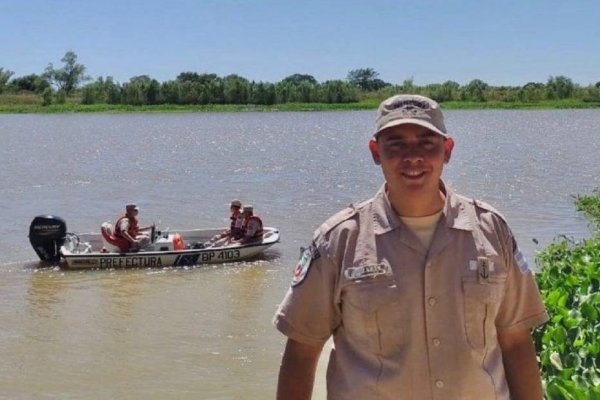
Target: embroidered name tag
point(367, 271)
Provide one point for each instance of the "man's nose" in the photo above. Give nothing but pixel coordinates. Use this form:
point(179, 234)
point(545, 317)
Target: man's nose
point(413, 153)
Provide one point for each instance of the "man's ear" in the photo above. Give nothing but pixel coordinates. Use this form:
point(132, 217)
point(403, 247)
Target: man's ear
point(374, 147)
point(448, 146)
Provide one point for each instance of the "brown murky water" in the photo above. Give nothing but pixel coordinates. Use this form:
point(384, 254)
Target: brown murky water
point(205, 332)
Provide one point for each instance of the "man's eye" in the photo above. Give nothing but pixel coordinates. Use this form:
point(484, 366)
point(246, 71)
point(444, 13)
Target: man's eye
point(396, 143)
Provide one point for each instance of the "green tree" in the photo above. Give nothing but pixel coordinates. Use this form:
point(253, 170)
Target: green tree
point(283, 92)
point(337, 91)
point(196, 77)
point(305, 93)
point(591, 94)
point(191, 93)
point(46, 96)
point(475, 90)
point(531, 92)
point(262, 93)
point(4, 77)
point(366, 79)
point(441, 92)
point(299, 79)
point(235, 89)
point(141, 90)
point(88, 95)
point(559, 87)
point(28, 83)
point(170, 92)
point(101, 91)
point(188, 77)
point(408, 86)
point(112, 91)
point(67, 78)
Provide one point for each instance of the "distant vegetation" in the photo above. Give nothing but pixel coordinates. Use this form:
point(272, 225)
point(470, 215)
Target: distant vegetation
point(69, 89)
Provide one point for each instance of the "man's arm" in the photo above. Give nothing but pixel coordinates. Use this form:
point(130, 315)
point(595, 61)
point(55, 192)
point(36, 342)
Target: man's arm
point(124, 226)
point(297, 371)
point(520, 365)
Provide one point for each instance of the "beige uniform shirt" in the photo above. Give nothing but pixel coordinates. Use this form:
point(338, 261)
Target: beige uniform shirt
point(408, 323)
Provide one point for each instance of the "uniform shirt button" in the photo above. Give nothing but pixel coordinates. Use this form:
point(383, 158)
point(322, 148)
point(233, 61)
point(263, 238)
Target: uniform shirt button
point(436, 342)
point(439, 384)
point(432, 301)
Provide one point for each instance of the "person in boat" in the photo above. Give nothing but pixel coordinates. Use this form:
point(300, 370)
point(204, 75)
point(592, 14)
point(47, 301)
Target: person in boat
point(425, 292)
point(252, 227)
point(128, 232)
point(235, 227)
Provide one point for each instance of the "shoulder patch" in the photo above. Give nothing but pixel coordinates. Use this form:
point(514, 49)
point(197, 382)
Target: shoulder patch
point(307, 256)
point(520, 259)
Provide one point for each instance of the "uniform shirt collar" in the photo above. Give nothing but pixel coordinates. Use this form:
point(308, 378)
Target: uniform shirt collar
point(385, 218)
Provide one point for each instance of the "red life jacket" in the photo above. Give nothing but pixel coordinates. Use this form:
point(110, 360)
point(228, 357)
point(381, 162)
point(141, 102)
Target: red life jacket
point(246, 223)
point(133, 227)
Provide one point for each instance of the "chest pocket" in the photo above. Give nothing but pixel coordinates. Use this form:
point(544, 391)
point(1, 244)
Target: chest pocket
point(481, 303)
point(372, 315)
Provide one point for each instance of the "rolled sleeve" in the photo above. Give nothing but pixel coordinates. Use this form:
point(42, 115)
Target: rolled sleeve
point(522, 307)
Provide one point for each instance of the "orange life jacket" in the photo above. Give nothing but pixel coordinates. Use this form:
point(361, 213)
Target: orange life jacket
point(133, 229)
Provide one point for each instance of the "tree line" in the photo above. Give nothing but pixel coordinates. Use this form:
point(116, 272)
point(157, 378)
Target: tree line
point(55, 85)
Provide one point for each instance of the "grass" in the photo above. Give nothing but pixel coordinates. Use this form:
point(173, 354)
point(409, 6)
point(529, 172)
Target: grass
point(70, 107)
point(30, 104)
point(539, 105)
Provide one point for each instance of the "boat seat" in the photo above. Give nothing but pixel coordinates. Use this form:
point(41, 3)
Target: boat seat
point(110, 242)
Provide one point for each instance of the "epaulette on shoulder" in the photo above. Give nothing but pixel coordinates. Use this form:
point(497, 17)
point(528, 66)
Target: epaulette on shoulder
point(338, 218)
point(485, 206)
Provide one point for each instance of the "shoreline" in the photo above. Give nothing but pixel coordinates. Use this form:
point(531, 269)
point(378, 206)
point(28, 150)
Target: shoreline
point(371, 104)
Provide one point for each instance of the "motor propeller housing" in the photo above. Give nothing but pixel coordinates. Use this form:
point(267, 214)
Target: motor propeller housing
point(47, 233)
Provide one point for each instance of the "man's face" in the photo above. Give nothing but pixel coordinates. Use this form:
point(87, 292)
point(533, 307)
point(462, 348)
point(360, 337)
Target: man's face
point(412, 158)
point(132, 212)
point(234, 210)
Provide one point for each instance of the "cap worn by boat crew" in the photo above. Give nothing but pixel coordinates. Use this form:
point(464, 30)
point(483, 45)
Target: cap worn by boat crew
point(248, 209)
point(410, 109)
point(131, 207)
point(236, 203)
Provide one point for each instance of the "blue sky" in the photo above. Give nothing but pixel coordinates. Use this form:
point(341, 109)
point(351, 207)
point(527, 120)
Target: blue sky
point(509, 42)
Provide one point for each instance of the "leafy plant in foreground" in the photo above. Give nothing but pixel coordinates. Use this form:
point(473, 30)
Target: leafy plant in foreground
point(569, 344)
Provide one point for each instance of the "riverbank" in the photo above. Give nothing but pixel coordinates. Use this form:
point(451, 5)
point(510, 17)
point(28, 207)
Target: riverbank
point(569, 281)
point(33, 106)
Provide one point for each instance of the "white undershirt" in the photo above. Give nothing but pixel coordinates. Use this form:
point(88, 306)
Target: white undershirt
point(423, 227)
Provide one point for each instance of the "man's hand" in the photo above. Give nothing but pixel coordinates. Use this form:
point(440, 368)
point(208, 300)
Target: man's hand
point(135, 245)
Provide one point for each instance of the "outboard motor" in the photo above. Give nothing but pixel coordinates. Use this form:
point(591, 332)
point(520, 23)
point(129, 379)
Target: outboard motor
point(46, 234)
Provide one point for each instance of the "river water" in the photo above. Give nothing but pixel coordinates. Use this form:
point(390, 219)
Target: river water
point(205, 332)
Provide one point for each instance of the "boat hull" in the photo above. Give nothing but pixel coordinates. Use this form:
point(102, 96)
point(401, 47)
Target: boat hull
point(173, 258)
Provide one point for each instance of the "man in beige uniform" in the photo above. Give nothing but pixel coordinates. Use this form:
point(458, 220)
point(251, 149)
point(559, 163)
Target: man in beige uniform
point(425, 292)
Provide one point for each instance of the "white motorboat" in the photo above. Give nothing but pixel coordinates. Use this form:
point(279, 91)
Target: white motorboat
point(49, 238)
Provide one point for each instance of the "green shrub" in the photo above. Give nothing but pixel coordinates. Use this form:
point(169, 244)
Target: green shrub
point(47, 97)
point(569, 344)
